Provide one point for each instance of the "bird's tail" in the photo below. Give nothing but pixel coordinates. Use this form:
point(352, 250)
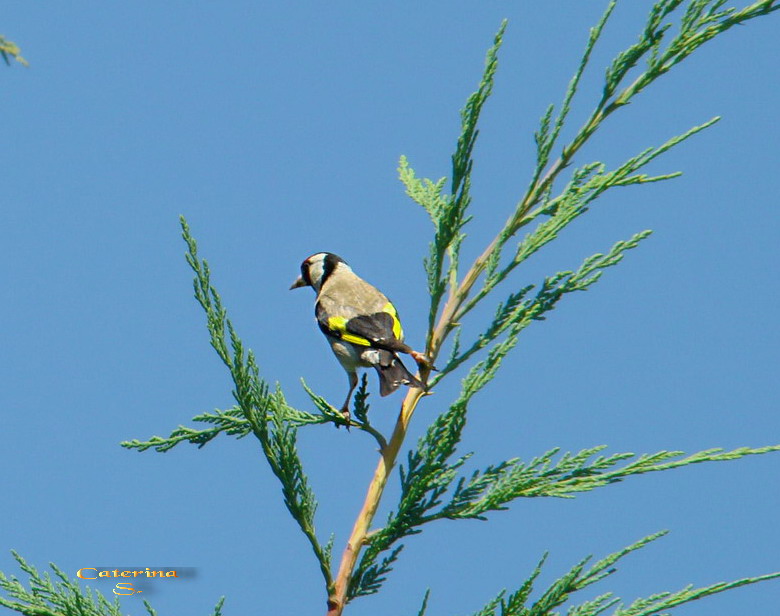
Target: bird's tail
point(392, 374)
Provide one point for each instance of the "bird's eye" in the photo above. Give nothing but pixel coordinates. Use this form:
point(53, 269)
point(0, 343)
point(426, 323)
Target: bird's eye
point(305, 272)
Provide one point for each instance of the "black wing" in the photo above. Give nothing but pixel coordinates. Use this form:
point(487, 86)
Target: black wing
point(375, 330)
point(377, 327)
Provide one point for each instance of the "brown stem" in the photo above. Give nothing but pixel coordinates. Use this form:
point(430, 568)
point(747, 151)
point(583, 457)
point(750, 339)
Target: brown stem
point(338, 598)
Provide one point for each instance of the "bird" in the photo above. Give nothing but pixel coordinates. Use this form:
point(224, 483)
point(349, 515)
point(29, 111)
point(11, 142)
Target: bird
point(360, 324)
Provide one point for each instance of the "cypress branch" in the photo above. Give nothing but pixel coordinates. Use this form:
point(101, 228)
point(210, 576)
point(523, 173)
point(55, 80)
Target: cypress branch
point(424, 605)
point(10, 51)
point(271, 420)
point(580, 577)
point(429, 476)
point(329, 414)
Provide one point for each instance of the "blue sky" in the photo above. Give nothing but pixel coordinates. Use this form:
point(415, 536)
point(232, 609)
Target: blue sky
point(276, 130)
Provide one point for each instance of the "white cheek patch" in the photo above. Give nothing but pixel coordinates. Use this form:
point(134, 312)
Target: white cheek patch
point(316, 271)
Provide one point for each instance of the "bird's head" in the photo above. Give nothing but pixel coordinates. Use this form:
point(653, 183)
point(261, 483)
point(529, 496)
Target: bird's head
point(317, 268)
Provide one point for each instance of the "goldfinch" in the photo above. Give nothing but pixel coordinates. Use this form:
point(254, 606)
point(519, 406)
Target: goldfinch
point(359, 322)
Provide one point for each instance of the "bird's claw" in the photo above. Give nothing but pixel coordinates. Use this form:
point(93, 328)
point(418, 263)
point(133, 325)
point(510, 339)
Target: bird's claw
point(423, 361)
point(347, 417)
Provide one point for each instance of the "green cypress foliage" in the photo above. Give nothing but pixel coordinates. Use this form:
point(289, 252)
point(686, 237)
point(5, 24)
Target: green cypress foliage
point(436, 480)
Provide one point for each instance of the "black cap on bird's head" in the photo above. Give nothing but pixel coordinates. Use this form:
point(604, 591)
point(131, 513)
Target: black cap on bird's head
point(316, 269)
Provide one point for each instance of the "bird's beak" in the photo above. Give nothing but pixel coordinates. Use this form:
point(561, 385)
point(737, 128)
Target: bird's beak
point(299, 282)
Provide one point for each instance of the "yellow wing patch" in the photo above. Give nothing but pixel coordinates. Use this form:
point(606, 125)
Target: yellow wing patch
point(398, 332)
point(339, 326)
